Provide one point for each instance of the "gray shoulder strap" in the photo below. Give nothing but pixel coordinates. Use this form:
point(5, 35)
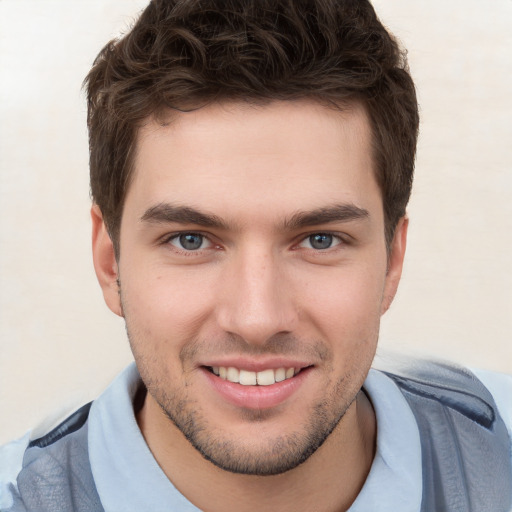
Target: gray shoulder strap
point(56, 474)
point(466, 449)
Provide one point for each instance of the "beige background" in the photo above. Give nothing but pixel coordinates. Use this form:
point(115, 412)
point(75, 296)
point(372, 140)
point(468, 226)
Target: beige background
point(59, 345)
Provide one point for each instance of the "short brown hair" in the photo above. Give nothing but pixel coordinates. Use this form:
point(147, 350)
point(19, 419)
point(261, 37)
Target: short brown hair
point(182, 54)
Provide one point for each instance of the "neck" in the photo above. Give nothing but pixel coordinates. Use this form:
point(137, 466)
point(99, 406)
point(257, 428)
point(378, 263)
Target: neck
point(329, 480)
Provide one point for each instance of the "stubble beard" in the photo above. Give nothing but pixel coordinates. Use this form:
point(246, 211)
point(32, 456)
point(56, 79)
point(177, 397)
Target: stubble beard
point(269, 457)
point(265, 457)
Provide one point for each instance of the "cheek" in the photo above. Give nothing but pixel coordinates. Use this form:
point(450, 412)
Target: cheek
point(164, 306)
point(346, 305)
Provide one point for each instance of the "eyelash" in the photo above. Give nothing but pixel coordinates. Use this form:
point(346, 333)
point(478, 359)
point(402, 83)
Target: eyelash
point(338, 240)
point(175, 236)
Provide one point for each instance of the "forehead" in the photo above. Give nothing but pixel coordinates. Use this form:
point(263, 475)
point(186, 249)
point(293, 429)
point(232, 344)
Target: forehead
point(299, 154)
point(296, 126)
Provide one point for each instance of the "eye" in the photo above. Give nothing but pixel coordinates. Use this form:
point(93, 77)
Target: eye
point(190, 241)
point(320, 241)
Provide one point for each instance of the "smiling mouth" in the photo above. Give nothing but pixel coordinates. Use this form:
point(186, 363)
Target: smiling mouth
point(249, 378)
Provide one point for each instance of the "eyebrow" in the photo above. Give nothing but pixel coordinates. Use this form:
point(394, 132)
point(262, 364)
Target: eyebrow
point(165, 213)
point(336, 213)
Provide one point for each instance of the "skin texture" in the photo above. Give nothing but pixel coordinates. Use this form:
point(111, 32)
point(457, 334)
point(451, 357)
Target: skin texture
point(255, 293)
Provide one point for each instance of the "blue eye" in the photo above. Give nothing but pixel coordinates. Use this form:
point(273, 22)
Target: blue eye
point(320, 241)
point(189, 241)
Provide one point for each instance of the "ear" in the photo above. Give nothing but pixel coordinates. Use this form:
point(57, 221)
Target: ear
point(105, 263)
point(395, 263)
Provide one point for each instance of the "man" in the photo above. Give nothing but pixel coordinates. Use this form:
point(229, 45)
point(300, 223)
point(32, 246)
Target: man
point(251, 163)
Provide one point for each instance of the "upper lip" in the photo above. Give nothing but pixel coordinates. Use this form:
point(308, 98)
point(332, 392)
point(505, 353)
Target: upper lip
point(257, 365)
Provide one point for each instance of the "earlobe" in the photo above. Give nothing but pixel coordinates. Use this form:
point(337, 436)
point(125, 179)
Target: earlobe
point(105, 263)
point(395, 263)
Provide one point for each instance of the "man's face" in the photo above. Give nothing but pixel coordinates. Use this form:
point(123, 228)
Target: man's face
point(252, 249)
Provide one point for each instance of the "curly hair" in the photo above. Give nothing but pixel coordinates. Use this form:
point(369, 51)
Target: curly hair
point(183, 54)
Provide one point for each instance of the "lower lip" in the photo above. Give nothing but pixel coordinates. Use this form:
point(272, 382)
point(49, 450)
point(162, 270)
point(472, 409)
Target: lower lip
point(257, 397)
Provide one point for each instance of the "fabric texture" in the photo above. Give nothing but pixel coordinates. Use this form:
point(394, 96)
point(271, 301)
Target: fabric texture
point(465, 443)
point(56, 476)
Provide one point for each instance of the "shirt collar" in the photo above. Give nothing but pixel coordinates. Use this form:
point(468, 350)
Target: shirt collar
point(395, 478)
point(126, 474)
point(128, 477)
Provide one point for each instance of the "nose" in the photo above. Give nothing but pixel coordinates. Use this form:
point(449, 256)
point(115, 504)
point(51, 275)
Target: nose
point(256, 302)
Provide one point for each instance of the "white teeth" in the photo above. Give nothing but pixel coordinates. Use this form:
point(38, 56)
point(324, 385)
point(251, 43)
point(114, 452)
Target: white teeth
point(280, 374)
point(248, 378)
point(266, 378)
point(232, 374)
